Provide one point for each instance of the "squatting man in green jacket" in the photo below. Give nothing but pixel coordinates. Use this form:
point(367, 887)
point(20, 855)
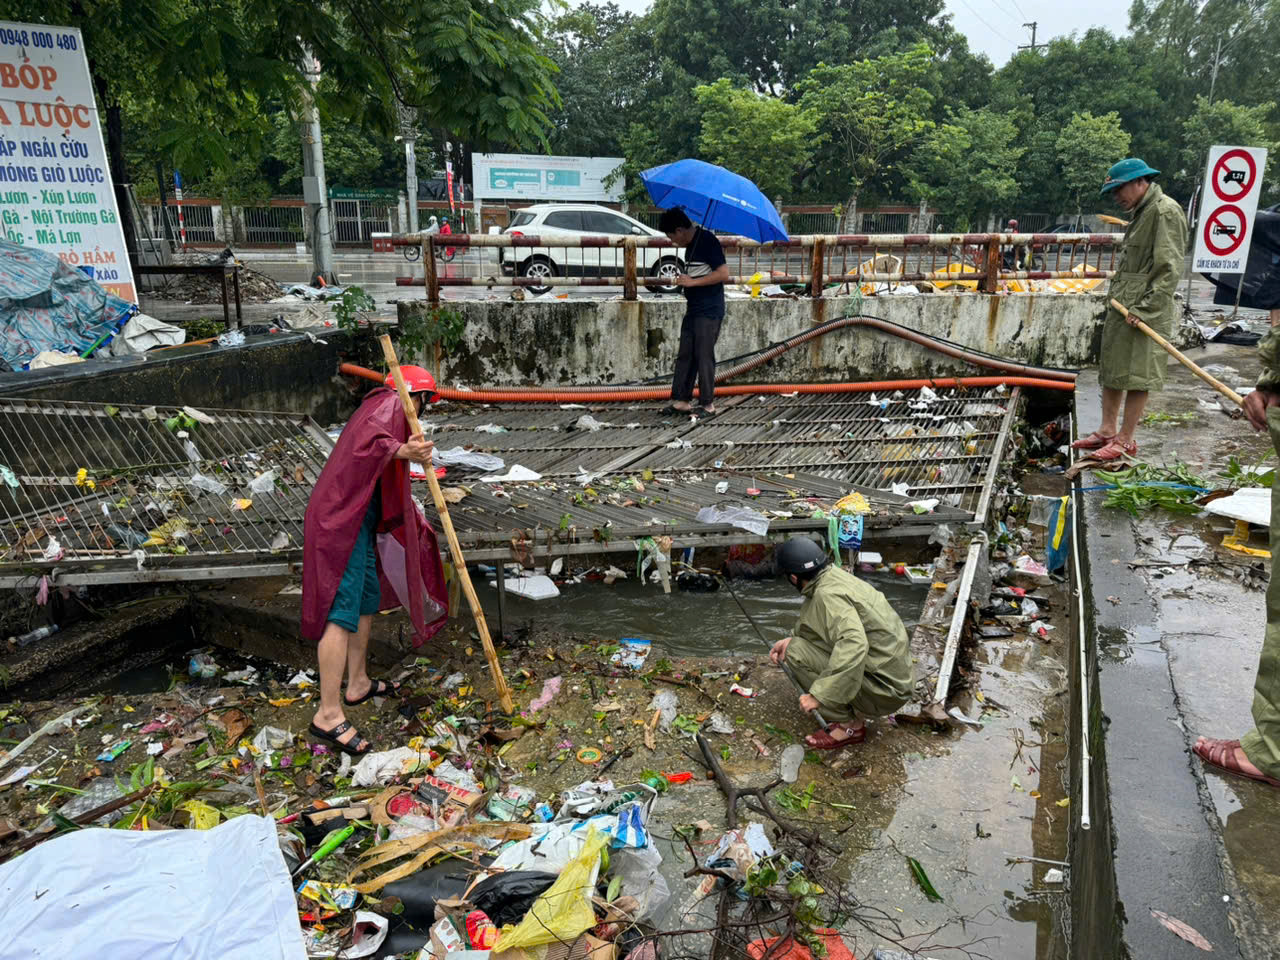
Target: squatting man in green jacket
point(1131, 364)
point(849, 648)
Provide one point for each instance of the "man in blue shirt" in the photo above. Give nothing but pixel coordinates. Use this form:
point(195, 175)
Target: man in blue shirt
point(703, 283)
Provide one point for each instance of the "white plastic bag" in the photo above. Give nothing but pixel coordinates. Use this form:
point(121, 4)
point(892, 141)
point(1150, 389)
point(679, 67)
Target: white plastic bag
point(152, 894)
point(639, 870)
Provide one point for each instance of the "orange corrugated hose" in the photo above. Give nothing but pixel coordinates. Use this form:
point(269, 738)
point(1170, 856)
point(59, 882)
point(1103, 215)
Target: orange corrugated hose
point(570, 395)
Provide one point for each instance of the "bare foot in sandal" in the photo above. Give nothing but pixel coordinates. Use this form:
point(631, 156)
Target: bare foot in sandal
point(1229, 756)
point(338, 732)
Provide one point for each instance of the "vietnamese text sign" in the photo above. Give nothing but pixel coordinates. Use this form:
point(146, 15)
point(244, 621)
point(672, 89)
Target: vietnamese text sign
point(1233, 183)
point(55, 187)
point(521, 176)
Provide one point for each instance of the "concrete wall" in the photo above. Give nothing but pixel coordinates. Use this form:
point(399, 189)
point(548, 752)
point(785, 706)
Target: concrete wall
point(612, 341)
point(280, 372)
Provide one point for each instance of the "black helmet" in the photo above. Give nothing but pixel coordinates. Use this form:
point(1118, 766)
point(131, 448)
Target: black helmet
point(800, 556)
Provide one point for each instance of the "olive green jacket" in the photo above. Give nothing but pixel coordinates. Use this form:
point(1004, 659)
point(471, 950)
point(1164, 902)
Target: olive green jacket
point(1151, 261)
point(865, 643)
point(1269, 354)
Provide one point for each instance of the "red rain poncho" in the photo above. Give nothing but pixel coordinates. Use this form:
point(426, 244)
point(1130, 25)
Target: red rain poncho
point(408, 553)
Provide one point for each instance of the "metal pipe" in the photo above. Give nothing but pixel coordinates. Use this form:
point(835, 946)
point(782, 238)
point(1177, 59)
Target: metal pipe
point(1086, 757)
point(976, 546)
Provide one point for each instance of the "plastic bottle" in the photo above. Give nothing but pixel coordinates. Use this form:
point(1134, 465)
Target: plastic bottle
point(39, 633)
point(481, 931)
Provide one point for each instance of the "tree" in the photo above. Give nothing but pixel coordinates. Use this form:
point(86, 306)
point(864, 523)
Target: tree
point(216, 70)
point(771, 45)
point(1087, 147)
point(871, 110)
point(966, 165)
point(605, 59)
point(764, 139)
point(1224, 122)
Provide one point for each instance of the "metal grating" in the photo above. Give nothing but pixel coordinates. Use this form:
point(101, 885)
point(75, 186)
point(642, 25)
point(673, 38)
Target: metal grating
point(142, 473)
point(804, 450)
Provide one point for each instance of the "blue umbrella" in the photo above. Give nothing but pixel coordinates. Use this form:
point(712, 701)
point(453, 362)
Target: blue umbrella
point(714, 197)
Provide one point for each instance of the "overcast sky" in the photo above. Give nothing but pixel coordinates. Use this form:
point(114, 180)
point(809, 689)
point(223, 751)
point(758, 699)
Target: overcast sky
point(995, 27)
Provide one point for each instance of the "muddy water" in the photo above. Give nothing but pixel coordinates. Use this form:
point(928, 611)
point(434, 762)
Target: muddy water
point(683, 624)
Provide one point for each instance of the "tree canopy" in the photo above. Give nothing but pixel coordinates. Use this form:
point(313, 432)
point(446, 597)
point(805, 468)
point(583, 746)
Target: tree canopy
point(818, 100)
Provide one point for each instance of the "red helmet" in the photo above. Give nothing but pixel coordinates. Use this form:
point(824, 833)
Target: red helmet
point(1013, 223)
point(417, 380)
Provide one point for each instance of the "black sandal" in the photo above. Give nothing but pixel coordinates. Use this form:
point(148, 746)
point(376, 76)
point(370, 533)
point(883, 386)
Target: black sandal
point(353, 746)
point(670, 411)
point(377, 688)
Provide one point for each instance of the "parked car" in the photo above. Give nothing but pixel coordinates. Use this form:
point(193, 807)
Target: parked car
point(572, 221)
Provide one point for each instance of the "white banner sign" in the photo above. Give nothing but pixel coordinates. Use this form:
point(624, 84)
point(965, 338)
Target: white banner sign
point(1232, 185)
point(530, 176)
point(55, 186)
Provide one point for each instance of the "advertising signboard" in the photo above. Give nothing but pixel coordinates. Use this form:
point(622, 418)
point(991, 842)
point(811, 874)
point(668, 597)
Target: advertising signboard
point(56, 192)
point(529, 176)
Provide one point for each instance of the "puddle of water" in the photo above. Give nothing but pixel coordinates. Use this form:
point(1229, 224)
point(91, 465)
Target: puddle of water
point(683, 624)
point(157, 676)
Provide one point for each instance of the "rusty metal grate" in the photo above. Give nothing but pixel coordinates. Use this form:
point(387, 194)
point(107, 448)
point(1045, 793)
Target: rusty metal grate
point(819, 446)
point(105, 481)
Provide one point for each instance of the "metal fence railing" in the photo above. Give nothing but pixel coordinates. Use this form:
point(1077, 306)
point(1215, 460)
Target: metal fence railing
point(196, 219)
point(274, 225)
point(988, 262)
point(806, 222)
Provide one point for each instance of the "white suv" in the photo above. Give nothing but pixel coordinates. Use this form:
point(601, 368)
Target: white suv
point(572, 221)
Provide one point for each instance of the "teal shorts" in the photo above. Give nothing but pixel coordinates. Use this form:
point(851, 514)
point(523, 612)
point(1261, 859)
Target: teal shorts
point(359, 593)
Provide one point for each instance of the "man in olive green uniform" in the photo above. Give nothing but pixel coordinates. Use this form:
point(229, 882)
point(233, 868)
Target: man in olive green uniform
point(849, 648)
point(1150, 264)
point(1257, 754)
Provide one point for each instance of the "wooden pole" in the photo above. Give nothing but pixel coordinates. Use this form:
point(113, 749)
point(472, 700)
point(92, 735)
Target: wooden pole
point(1178, 355)
point(455, 548)
point(815, 268)
point(429, 275)
point(991, 282)
point(629, 268)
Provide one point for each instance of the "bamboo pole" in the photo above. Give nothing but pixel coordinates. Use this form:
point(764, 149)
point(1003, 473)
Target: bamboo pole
point(1178, 355)
point(455, 548)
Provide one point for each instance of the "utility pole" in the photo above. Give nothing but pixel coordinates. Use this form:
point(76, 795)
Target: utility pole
point(409, 134)
point(314, 189)
point(1033, 46)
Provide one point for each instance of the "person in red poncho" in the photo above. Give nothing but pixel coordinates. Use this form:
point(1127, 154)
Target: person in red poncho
point(365, 541)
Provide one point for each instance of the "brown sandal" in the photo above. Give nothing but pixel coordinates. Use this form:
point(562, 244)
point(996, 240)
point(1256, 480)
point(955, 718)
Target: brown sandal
point(1222, 754)
point(822, 740)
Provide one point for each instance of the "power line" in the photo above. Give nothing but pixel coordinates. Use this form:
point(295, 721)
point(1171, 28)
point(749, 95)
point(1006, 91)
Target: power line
point(986, 23)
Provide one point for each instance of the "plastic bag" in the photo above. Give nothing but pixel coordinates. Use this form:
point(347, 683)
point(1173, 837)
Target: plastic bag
point(664, 700)
point(639, 870)
point(264, 482)
point(462, 457)
point(507, 897)
point(1059, 535)
point(743, 517)
point(207, 484)
point(563, 912)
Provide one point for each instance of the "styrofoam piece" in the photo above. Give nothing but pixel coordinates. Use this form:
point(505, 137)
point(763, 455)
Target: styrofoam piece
point(920, 574)
point(1252, 505)
point(871, 557)
point(533, 588)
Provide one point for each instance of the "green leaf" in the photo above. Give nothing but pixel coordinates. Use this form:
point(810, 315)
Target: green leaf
point(615, 886)
point(922, 878)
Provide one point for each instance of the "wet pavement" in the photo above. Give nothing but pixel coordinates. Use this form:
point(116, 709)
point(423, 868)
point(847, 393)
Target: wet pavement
point(1179, 623)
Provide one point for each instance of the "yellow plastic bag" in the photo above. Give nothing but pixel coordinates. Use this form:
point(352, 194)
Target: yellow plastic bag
point(563, 912)
point(203, 816)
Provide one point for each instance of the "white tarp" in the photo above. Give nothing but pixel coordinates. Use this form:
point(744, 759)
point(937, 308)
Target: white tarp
point(220, 894)
point(142, 333)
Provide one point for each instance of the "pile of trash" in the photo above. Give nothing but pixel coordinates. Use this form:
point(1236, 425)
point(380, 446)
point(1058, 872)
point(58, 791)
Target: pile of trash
point(255, 287)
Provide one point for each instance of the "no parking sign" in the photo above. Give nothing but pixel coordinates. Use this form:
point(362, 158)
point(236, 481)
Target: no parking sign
point(1233, 182)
